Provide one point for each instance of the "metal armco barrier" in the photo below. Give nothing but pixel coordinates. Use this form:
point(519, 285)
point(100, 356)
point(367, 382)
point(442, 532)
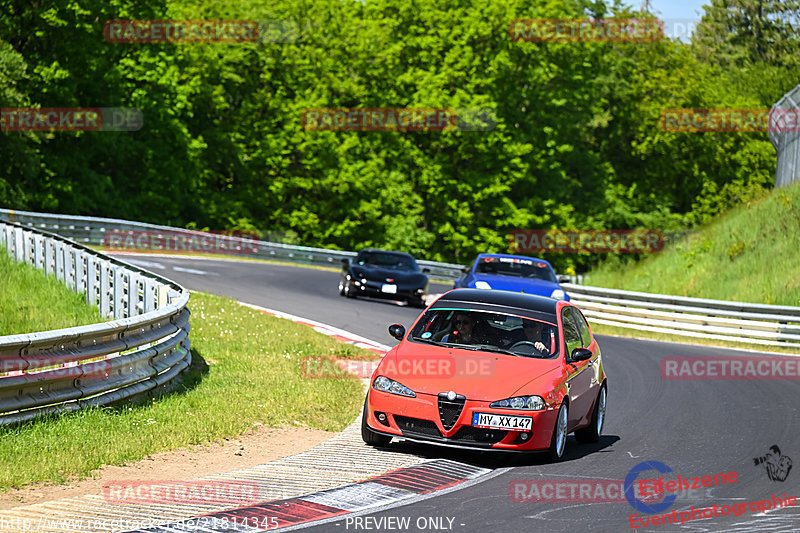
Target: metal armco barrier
point(785, 138)
point(769, 325)
point(91, 230)
point(686, 317)
point(145, 343)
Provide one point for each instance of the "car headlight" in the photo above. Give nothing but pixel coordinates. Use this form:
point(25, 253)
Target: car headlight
point(532, 403)
point(558, 294)
point(384, 384)
point(482, 285)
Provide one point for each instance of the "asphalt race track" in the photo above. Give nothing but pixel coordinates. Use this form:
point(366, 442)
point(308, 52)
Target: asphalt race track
point(697, 428)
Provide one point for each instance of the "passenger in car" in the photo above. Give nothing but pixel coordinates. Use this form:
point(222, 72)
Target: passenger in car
point(467, 330)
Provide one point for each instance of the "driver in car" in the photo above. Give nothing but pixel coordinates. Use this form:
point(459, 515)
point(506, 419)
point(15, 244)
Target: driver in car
point(538, 333)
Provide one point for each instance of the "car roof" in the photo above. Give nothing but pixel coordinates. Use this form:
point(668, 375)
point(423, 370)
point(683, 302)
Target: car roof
point(510, 256)
point(516, 303)
point(385, 252)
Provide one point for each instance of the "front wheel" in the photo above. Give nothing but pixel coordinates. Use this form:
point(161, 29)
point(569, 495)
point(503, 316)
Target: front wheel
point(416, 302)
point(370, 437)
point(347, 289)
point(559, 440)
point(591, 433)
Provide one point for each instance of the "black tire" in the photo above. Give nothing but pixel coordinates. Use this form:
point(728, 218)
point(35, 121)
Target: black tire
point(419, 304)
point(341, 288)
point(369, 436)
point(348, 290)
point(558, 442)
point(592, 432)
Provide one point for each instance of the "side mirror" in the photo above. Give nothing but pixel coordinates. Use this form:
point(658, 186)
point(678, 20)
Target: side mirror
point(346, 261)
point(465, 270)
point(426, 270)
point(580, 354)
point(397, 331)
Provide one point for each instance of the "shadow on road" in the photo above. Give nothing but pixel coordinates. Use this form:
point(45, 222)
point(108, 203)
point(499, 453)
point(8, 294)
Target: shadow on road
point(496, 459)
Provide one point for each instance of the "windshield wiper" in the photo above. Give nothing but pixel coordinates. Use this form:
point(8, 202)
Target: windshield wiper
point(493, 348)
point(428, 341)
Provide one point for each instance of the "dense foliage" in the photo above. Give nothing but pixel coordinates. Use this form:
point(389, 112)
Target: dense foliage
point(576, 144)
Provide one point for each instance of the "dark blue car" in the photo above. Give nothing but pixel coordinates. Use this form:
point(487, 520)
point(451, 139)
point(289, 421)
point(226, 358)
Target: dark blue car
point(512, 273)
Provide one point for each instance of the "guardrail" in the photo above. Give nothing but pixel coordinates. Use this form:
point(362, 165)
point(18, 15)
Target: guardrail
point(92, 230)
point(686, 317)
point(768, 325)
point(143, 346)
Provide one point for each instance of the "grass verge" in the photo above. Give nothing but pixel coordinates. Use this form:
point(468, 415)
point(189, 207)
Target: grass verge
point(30, 301)
point(246, 372)
point(605, 329)
point(749, 254)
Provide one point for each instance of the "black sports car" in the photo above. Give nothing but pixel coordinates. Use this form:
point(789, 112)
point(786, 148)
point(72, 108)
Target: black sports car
point(384, 274)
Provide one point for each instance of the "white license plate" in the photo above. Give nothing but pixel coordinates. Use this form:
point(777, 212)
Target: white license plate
point(511, 423)
point(390, 289)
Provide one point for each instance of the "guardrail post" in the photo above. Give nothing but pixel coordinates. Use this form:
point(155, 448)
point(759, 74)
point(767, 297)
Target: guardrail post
point(133, 293)
point(80, 271)
point(18, 253)
point(119, 292)
point(27, 248)
point(91, 280)
point(59, 251)
point(104, 289)
point(149, 295)
point(49, 257)
point(162, 297)
point(38, 252)
point(69, 266)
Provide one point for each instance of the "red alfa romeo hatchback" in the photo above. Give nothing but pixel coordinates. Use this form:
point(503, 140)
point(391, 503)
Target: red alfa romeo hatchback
point(490, 370)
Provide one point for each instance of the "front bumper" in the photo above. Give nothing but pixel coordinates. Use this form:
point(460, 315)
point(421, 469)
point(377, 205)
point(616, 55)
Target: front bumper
point(373, 289)
point(420, 419)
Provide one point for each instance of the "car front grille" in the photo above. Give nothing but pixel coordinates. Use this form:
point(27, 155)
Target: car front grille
point(473, 434)
point(467, 435)
point(450, 410)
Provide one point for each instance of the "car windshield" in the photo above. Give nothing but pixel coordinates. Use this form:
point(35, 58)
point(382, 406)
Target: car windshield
point(512, 266)
point(387, 260)
point(479, 330)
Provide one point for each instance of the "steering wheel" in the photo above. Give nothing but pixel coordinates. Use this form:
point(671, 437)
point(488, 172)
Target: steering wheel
point(528, 343)
point(523, 343)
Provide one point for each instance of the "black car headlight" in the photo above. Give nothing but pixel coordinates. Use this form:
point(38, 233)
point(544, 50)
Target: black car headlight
point(530, 403)
point(384, 384)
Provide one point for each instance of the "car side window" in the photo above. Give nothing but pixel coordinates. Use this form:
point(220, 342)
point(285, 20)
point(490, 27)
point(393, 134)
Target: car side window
point(572, 336)
point(586, 336)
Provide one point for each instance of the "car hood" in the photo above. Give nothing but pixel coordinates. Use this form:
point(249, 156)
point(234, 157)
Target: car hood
point(481, 376)
point(516, 284)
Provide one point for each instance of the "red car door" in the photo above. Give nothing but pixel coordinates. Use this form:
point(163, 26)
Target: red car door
point(580, 373)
